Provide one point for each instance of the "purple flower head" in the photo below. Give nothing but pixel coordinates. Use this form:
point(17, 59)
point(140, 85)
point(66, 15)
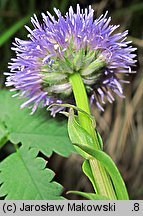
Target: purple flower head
point(61, 46)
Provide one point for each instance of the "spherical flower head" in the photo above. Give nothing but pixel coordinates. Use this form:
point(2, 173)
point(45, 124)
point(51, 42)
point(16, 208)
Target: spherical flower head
point(61, 46)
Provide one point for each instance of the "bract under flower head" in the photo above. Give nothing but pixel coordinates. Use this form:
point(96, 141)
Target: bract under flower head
point(74, 43)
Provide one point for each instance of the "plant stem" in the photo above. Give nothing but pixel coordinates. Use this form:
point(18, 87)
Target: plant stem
point(103, 183)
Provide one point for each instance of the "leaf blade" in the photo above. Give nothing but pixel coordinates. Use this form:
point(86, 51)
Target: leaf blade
point(78, 134)
point(40, 130)
point(110, 166)
point(34, 181)
point(88, 172)
point(3, 134)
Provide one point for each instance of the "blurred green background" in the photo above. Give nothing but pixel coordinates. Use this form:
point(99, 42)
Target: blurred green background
point(121, 125)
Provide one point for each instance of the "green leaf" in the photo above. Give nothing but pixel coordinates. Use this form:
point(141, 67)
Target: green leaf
point(74, 108)
point(90, 196)
point(78, 134)
point(100, 141)
point(24, 177)
point(88, 172)
point(111, 168)
point(3, 134)
point(40, 130)
point(6, 35)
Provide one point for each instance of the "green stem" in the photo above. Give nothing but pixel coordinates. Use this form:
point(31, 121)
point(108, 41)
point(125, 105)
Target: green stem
point(81, 101)
point(103, 183)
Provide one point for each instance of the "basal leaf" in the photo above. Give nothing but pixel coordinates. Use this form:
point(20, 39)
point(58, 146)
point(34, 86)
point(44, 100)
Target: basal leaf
point(23, 177)
point(40, 130)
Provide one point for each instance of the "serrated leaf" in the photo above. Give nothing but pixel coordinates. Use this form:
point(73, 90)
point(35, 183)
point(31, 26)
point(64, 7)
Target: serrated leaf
point(111, 168)
point(24, 177)
point(40, 130)
point(90, 196)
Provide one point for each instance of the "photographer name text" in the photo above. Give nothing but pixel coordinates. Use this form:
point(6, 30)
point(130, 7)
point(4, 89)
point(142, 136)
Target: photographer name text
point(69, 207)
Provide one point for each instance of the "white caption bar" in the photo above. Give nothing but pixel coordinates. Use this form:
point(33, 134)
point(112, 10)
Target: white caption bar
point(76, 207)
